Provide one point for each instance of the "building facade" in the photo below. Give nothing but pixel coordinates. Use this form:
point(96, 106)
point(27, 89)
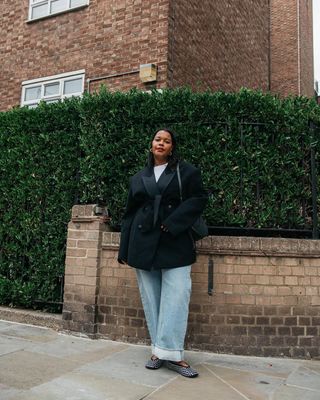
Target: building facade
point(52, 49)
point(291, 49)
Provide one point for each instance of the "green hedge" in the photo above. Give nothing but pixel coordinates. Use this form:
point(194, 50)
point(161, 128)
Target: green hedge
point(253, 150)
point(217, 132)
point(39, 160)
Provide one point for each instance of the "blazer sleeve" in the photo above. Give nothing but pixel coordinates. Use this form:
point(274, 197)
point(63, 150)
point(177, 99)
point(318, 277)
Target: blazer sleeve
point(126, 227)
point(195, 200)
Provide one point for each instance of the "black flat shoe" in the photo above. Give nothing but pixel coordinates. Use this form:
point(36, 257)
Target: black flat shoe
point(154, 363)
point(184, 370)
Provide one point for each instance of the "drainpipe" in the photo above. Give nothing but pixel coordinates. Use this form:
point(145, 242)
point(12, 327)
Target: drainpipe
point(270, 50)
point(299, 48)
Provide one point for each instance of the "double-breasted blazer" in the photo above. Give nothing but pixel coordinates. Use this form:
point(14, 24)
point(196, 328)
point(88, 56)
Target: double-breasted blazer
point(150, 204)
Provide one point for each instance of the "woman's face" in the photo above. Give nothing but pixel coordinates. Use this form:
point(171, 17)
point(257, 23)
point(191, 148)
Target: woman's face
point(162, 147)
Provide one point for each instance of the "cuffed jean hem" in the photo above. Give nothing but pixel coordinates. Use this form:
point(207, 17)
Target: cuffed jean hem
point(164, 354)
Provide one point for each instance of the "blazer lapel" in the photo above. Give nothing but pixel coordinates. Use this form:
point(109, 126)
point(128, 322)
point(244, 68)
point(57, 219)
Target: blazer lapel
point(152, 189)
point(165, 178)
point(150, 184)
point(155, 189)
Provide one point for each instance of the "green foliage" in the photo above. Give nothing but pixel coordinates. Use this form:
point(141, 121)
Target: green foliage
point(253, 150)
point(39, 160)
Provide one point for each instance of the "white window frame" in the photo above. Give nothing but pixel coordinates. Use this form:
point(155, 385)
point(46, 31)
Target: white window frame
point(34, 3)
point(44, 81)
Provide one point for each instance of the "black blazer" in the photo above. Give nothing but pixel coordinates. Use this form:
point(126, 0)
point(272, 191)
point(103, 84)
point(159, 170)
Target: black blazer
point(143, 244)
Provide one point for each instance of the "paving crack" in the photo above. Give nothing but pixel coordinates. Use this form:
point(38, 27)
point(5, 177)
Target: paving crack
point(146, 396)
point(227, 383)
point(302, 387)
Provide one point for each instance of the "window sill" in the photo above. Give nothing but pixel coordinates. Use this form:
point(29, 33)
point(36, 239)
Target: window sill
point(30, 21)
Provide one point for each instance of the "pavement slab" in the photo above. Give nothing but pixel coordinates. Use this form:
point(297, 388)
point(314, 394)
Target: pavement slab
point(252, 385)
point(129, 366)
point(207, 386)
point(37, 363)
point(24, 369)
point(78, 349)
point(28, 332)
point(5, 325)
point(286, 392)
point(79, 386)
point(305, 378)
point(312, 366)
point(271, 366)
point(8, 345)
point(6, 392)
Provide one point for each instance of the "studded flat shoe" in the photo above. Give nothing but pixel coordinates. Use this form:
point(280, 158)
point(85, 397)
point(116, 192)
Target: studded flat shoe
point(184, 370)
point(154, 363)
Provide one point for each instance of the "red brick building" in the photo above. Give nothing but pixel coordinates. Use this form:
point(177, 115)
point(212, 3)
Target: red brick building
point(51, 49)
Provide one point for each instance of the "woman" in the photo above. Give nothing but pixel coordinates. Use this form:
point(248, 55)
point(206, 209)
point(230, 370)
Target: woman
point(156, 240)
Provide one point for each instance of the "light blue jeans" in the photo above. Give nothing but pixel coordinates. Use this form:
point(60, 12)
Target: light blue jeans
point(165, 296)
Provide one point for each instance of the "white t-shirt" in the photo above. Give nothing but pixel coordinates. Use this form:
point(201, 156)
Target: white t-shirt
point(158, 170)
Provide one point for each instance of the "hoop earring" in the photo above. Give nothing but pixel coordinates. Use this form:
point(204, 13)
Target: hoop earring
point(150, 150)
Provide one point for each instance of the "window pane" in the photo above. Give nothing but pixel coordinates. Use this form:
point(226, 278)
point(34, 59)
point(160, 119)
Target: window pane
point(39, 11)
point(51, 89)
point(73, 86)
point(76, 3)
point(32, 93)
point(52, 101)
point(59, 5)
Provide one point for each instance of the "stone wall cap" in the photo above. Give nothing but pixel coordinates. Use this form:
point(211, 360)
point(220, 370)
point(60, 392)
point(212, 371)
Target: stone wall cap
point(88, 212)
point(243, 245)
point(259, 246)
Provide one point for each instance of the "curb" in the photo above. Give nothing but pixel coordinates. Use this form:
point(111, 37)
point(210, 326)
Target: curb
point(31, 317)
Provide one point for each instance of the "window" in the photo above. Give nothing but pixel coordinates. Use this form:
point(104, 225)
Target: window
point(52, 88)
point(43, 8)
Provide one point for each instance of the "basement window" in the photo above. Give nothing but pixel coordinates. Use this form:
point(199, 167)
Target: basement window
point(43, 8)
point(52, 88)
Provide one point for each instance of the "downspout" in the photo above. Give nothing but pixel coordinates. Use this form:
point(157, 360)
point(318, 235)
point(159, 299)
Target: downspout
point(269, 55)
point(170, 41)
point(299, 60)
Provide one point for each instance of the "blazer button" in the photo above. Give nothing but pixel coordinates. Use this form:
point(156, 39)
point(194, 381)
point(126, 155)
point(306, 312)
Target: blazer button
point(169, 206)
point(139, 226)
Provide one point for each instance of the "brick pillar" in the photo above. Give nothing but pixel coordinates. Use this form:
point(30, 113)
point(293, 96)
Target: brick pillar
point(82, 269)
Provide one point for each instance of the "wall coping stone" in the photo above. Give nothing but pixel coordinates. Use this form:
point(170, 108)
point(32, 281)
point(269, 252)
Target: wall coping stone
point(234, 245)
point(88, 213)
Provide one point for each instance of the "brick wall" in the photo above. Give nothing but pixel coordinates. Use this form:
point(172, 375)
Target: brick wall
point(82, 270)
point(107, 37)
point(306, 48)
point(265, 300)
point(222, 44)
point(291, 47)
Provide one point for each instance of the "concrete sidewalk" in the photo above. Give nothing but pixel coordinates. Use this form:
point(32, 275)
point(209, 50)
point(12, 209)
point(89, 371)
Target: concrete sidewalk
point(38, 363)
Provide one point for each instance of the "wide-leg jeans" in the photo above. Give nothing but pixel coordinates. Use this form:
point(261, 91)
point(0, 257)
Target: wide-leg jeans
point(165, 295)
